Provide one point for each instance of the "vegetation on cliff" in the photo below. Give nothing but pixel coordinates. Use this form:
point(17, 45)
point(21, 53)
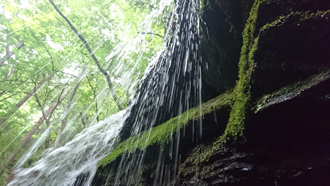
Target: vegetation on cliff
point(160, 135)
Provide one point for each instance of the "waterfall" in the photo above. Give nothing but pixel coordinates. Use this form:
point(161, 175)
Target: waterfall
point(63, 165)
point(170, 86)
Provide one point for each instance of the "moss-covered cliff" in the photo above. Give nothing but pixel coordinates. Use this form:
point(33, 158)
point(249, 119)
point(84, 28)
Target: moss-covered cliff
point(270, 66)
point(281, 110)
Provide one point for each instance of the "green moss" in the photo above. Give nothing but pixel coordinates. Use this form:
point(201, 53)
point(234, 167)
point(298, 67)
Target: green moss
point(242, 93)
point(161, 134)
point(204, 4)
point(302, 17)
point(198, 157)
point(290, 91)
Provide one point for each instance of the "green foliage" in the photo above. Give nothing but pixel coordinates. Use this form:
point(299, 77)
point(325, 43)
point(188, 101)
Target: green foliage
point(52, 48)
point(161, 134)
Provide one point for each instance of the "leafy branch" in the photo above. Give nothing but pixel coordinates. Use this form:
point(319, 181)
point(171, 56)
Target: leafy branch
point(8, 52)
point(105, 73)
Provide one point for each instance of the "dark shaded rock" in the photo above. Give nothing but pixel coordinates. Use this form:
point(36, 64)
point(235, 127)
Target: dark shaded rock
point(269, 12)
point(287, 145)
point(292, 49)
point(221, 45)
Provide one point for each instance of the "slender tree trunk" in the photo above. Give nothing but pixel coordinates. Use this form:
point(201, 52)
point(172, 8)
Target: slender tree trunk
point(3, 120)
point(4, 165)
point(105, 73)
point(60, 141)
point(47, 141)
point(63, 122)
point(36, 126)
point(94, 96)
point(32, 92)
point(27, 96)
point(25, 140)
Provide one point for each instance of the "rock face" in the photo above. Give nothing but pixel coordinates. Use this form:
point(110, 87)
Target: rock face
point(221, 49)
point(277, 132)
point(288, 142)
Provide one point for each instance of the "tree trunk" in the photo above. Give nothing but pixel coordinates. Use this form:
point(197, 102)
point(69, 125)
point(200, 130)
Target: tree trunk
point(63, 122)
point(32, 92)
point(27, 97)
point(36, 126)
point(28, 136)
point(25, 140)
point(94, 96)
point(60, 141)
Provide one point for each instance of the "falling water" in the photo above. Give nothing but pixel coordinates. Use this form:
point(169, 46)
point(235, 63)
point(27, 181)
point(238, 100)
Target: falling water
point(63, 165)
point(171, 85)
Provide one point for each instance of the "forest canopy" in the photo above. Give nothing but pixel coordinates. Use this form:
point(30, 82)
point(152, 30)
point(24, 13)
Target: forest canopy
point(52, 85)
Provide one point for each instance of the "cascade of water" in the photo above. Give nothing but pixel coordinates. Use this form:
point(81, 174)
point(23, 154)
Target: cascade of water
point(171, 85)
point(61, 167)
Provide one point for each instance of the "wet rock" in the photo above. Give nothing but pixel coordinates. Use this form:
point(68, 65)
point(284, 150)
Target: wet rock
point(221, 45)
point(293, 48)
point(287, 144)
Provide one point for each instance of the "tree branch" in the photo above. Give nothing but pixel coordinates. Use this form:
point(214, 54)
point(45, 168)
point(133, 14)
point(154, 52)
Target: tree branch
point(105, 73)
point(41, 108)
point(51, 58)
point(3, 92)
point(151, 33)
point(9, 53)
point(65, 73)
point(94, 94)
point(9, 73)
point(82, 119)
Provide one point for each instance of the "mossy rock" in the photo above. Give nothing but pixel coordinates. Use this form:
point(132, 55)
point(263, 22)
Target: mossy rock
point(161, 134)
point(291, 48)
point(283, 61)
point(281, 42)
